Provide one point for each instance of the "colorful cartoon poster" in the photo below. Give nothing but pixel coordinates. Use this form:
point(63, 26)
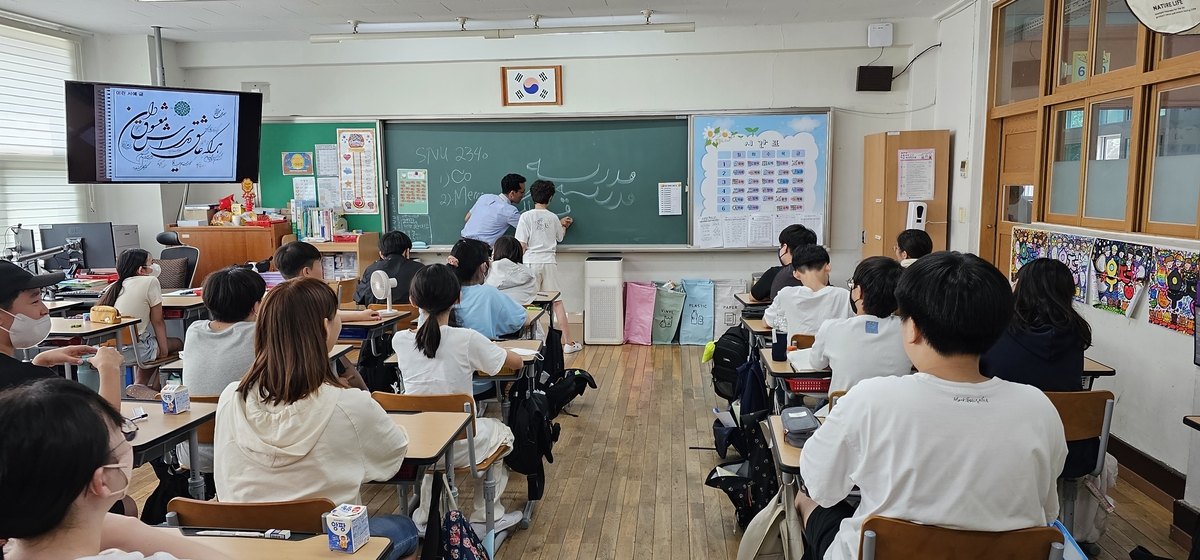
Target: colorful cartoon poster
point(297, 163)
point(1027, 245)
point(356, 148)
point(1172, 289)
point(412, 191)
point(1075, 251)
point(1121, 270)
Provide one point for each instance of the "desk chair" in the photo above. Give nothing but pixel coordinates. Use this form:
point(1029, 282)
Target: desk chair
point(301, 516)
point(834, 396)
point(127, 338)
point(176, 249)
point(803, 340)
point(451, 403)
point(892, 539)
point(1085, 415)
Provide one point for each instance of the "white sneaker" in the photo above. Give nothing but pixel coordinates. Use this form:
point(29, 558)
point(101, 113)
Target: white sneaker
point(572, 348)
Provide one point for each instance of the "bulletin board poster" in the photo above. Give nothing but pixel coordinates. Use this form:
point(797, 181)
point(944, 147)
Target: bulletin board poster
point(412, 191)
point(757, 174)
point(1172, 290)
point(1121, 270)
point(356, 153)
point(1027, 245)
point(1075, 251)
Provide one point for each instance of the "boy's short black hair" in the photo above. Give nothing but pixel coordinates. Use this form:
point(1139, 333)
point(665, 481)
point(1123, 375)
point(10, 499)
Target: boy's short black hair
point(293, 257)
point(959, 302)
point(541, 191)
point(796, 236)
point(394, 243)
point(511, 183)
point(230, 293)
point(809, 257)
point(915, 243)
point(877, 278)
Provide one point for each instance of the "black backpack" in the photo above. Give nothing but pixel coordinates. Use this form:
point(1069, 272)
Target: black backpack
point(730, 353)
point(533, 435)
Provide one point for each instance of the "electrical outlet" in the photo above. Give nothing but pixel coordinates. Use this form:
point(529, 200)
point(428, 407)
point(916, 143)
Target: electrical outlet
point(962, 169)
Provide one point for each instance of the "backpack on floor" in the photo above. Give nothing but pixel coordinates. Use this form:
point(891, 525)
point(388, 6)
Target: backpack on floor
point(533, 435)
point(454, 538)
point(729, 353)
point(572, 384)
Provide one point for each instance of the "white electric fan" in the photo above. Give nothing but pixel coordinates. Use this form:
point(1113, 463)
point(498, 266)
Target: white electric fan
point(381, 287)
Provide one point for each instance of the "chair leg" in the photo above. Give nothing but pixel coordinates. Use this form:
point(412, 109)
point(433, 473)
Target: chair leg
point(402, 497)
point(868, 546)
point(489, 497)
point(1057, 550)
point(1068, 490)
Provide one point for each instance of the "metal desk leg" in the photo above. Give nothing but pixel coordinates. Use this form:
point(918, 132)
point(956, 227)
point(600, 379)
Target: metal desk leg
point(504, 404)
point(527, 515)
point(196, 480)
point(450, 471)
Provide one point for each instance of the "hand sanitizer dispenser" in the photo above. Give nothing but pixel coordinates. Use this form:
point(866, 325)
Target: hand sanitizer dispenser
point(917, 214)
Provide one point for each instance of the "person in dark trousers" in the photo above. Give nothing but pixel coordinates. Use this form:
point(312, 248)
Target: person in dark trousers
point(394, 248)
point(769, 284)
point(1043, 345)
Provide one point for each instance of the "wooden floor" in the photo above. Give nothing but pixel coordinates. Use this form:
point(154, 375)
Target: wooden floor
point(625, 482)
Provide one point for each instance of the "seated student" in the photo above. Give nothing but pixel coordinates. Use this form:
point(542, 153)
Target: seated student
point(438, 359)
point(1043, 345)
point(301, 260)
point(509, 273)
point(65, 454)
point(25, 323)
point(137, 293)
point(911, 245)
point(290, 429)
point(790, 239)
point(946, 447)
point(803, 308)
point(482, 308)
point(869, 344)
point(394, 247)
point(221, 350)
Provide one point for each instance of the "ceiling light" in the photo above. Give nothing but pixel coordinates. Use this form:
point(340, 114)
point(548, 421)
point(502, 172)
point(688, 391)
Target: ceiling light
point(355, 35)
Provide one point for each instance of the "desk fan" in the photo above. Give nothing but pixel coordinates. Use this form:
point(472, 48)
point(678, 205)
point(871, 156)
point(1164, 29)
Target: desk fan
point(381, 287)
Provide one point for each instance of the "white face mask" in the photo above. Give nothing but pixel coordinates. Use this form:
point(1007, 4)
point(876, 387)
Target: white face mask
point(155, 270)
point(27, 332)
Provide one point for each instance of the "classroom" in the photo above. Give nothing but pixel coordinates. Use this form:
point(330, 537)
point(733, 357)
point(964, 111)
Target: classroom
point(748, 199)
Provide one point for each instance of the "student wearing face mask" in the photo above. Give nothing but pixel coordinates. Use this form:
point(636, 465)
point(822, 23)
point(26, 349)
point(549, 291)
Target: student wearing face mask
point(65, 455)
point(137, 293)
point(25, 323)
point(483, 308)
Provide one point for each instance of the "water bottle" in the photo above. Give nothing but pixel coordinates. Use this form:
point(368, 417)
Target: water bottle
point(780, 344)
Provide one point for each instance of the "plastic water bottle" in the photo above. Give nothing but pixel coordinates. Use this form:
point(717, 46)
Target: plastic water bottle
point(780, 343)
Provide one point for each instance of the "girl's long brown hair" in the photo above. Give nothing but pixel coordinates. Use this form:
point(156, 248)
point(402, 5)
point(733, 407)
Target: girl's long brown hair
point(291, 360)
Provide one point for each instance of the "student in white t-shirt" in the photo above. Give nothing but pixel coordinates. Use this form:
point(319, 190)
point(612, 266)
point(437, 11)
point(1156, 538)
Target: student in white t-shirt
point(805, 307)
point(540, 231)
point(870, 343)
point(947, 446)
point(437, 359)
point(137, 293)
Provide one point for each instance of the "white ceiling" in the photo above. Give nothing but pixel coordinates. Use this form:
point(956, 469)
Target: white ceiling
point(272, 20)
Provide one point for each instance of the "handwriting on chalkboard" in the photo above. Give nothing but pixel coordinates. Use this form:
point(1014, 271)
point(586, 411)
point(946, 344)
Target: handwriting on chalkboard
point(603, 193)
point(427, 154)
point(417, 226)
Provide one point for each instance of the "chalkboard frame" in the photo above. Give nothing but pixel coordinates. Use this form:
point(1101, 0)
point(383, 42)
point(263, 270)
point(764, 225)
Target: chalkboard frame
point(828, 170)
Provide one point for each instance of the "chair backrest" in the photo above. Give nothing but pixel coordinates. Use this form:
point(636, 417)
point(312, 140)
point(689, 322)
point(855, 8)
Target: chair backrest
point(427, 403)
point(302, 516)
point(401, 308)
point(1082, 412)
point(188, 252)
point(803, 340)
point(206, 431)
point(834, 396)
point(894, 539)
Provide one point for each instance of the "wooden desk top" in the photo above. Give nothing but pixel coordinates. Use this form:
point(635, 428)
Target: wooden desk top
point(1192, 422)
point(65, 327)
point(182, 302)
point(757, 326)
point(64, 304)
point(535, 345)
point(787, 457)
point(748, 299)
point(1096, 369)
point(382, 322)
point(773, 367)
point(545, 298)
point(315, 548)
point(429, 433)
point(159, 427)
point(532, 315)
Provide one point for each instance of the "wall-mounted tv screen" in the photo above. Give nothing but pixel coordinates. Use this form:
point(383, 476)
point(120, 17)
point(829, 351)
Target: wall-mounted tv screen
point(143, 134)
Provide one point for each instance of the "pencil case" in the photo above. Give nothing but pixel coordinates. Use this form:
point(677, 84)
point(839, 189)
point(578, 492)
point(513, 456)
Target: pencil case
point(799, 423)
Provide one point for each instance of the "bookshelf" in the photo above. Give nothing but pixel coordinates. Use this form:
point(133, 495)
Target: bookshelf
point(365, 250)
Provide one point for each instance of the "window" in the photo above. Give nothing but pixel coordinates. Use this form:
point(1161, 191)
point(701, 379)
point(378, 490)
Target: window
point(1175, 167)
point(1179, 45)
point(33, 163)
point(1073, 48)
point(1110, 137)
point(1116, 38)
point(1019, 58)
point(1068, 162)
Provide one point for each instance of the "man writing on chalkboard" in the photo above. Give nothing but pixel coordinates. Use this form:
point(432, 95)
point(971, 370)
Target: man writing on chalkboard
point(492, 214)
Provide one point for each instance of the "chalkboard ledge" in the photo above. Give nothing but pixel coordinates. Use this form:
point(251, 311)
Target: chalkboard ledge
point(624, 249)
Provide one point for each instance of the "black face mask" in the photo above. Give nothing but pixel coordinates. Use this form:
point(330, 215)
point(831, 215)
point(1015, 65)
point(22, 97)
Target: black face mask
point(854, 306)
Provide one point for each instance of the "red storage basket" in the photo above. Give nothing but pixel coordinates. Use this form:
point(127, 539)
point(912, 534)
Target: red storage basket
point(808, 385)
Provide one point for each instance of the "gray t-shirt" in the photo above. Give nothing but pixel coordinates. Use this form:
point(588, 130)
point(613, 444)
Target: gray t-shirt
point(211, 361)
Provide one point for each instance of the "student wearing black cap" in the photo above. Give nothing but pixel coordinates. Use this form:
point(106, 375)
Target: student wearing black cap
point(25, 323)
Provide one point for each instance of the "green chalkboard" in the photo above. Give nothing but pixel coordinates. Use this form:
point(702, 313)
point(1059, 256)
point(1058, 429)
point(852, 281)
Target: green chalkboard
point(278, 138)
point(607, 173)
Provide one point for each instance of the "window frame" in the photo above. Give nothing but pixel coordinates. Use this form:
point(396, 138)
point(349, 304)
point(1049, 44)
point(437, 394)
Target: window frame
point(1190, 231)
point(1136, 154)
point(996, 46)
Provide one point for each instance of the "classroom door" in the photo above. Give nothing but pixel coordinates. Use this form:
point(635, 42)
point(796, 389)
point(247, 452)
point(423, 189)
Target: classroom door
point(1018, 180)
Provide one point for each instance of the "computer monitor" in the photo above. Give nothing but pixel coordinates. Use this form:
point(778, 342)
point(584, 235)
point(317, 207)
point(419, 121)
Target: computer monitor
point(99, 250)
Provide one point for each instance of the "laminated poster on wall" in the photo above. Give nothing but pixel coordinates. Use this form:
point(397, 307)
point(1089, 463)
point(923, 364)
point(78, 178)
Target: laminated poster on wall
point(1027, 245)
point(1172, 289)
point(356, 153)
point(1075, 251)
point(1121, 270)
point(412, 191)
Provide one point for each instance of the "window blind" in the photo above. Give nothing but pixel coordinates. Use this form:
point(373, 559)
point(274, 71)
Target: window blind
point(33, 161)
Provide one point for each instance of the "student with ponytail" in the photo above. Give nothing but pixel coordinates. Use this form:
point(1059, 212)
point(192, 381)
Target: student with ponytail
point(137, 293)
point(438, 359)
point(483, 308)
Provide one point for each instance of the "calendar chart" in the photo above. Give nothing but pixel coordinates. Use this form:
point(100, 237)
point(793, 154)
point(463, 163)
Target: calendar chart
point(757, 174)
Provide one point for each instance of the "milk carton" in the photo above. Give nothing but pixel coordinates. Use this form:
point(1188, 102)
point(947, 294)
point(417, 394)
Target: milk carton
point(347, 528)
point(175, 399)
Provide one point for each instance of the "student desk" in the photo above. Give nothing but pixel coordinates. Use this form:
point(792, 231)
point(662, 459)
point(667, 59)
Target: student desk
point(175, 368)
point(1192, 422)
point(62, 308)
point(161, 432)
point(312, 548)
point(90, 333)
point(1093, 369)
point(189, 308)
point(376, 329)
point(748, 299)
point(546, 300)
point(430, 436)
point(760, 334)
point(532, 316)
point(787, 459)
point(777, 374)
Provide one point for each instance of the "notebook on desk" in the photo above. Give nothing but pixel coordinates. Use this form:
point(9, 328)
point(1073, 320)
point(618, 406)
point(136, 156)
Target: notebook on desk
point(799, 359)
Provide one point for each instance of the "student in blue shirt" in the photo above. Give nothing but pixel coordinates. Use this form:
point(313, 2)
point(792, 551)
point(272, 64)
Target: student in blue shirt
point(493, 214)
point(483, 308)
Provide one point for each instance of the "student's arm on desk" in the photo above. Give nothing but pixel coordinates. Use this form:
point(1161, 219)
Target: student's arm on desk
point(131, 535)
point(761, 290)
point(770, 314)
point(489, 357)
point(830, 456)
point(816, 357)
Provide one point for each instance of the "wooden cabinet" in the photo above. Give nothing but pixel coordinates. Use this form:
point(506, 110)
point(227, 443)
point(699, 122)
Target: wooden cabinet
point(884, 217)
point(221, 246)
